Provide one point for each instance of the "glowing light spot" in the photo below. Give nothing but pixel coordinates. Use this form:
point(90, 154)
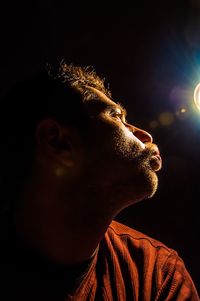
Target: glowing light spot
point(59, 172)
point(182, 110)
point(197, 96)
point(182, 113)
point(166, 118)
point(153, 124)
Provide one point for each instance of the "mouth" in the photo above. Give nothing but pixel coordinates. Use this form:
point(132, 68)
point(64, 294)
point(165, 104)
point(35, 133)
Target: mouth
point(156, 160)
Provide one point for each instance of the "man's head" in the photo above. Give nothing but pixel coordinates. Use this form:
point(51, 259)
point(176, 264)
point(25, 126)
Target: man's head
point(64, 127)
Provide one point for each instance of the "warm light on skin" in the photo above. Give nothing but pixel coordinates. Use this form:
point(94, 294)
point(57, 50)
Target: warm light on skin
point(197, 96)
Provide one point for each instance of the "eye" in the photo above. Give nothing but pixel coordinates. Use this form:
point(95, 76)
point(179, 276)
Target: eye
point(118, 115)
point(115, 114)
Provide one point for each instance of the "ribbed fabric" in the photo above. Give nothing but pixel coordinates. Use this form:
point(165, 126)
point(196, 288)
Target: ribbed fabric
point(132, 266)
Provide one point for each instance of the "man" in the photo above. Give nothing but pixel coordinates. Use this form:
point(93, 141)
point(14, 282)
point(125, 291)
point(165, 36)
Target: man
point(71, 163)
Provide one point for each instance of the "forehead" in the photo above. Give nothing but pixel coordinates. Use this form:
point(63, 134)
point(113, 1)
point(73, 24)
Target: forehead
point(100, 101)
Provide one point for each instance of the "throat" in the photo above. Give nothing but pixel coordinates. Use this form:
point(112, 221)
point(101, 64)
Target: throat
point(66, 238)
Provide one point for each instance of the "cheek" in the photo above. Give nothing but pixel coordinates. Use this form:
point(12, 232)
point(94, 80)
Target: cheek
point(112, 139)
point(132, 138)
point(126, 144)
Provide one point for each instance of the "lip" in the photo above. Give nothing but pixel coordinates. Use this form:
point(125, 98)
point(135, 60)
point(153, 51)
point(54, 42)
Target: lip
point(156, 161)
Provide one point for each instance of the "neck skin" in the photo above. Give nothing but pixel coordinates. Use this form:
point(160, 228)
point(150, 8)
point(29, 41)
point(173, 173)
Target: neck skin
point(65, 230)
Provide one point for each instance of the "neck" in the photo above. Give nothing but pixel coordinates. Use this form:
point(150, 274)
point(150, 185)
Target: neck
point(66, 231)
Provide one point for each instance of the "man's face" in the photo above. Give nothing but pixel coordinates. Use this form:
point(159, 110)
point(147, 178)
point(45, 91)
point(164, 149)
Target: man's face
point(122, 161)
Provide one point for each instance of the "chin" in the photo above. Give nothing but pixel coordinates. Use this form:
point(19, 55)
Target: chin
point(144, 188)
point(151, 184)
point(147, 181)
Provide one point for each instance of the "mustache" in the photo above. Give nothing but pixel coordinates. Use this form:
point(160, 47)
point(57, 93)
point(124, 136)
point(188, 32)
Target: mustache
point(150, 150)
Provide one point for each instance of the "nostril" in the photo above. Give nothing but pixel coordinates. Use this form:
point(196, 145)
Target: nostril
point(148, 138)
point(144, 136)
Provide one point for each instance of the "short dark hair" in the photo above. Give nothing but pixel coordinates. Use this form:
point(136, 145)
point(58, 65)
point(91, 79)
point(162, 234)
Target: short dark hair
point(57, 92)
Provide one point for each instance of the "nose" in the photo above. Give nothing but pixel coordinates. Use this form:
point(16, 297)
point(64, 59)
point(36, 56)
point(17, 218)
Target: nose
point(142, 135)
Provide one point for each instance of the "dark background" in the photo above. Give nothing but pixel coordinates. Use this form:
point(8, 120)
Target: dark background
point(149, 52)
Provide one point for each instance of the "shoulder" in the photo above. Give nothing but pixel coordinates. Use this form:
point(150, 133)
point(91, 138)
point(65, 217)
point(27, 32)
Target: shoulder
point(138, 249)
point(152, 260)
point(141, 250)
point(131, 237)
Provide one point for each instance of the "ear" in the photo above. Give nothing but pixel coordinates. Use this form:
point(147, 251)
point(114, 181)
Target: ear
point(56, 141)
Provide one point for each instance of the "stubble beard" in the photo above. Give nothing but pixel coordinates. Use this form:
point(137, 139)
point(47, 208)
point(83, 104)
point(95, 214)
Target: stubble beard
point(140, 180)
point(120, 173)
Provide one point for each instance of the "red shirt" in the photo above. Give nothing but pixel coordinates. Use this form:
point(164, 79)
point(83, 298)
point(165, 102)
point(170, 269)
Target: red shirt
point(132, 266)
